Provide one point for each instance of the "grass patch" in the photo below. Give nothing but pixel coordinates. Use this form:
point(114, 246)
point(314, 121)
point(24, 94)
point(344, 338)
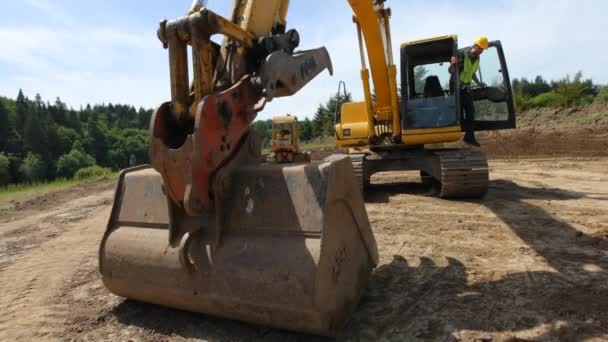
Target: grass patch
point(43, 187)
point(307, 146)
point(315, 146)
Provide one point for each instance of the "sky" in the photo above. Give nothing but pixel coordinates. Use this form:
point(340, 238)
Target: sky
point(107, 51)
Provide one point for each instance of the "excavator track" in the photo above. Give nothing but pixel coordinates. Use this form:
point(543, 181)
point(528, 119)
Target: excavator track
point(357, 161)
point(464, 173)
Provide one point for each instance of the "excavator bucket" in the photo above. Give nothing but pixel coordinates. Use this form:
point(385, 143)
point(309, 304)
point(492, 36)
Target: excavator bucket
point(295, 250)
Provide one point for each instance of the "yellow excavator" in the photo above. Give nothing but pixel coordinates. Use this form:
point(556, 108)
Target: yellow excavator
point(388, 131)
point(285, 141)
point(208, 227)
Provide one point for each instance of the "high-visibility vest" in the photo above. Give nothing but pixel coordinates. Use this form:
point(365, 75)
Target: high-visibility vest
point(466, 76)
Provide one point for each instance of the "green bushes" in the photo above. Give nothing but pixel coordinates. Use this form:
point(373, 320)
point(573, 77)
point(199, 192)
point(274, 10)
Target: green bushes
point(565, 92)
point(575, 92)
point(602, 95)
point(91, 172)
point(33, 168)
point(69, 163)
point(550, 99)
point(5, 171)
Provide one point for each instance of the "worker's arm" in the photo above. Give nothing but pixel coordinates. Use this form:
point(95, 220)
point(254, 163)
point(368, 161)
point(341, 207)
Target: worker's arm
point(454, 63)
point(481, 84)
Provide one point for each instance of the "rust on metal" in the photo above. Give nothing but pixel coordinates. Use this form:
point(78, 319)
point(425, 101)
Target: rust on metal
point(221, 122)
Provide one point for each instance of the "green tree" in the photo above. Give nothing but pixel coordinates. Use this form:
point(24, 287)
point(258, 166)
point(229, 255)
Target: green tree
point(73, 121)
point(21, 110)
point(68, 164)
point(327, 114)
point(576, 91)
point(4, 127)
point(264, 129)
point(97, 139)
point(36, 140)
point(59, 112)
point(602, 95)
point(306, 130)
point(143, 117)
point(5, 170)
point(66, 137)
point(35, 136)
point(127, 147)
point(33, 168)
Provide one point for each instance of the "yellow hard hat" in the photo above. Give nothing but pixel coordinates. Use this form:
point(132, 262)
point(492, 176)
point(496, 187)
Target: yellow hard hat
point(482, 42)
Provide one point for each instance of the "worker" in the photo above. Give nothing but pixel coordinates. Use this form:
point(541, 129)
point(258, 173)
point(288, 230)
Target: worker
point(467, 62)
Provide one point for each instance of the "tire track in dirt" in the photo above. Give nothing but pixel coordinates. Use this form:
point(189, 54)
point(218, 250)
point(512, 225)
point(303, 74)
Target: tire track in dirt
point(528, 262)
point(33, 276)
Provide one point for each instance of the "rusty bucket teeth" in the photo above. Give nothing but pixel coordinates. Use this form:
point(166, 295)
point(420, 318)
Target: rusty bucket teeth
point(296, 248)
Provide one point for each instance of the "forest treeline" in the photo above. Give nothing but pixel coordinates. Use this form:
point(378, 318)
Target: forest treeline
point(41, 141)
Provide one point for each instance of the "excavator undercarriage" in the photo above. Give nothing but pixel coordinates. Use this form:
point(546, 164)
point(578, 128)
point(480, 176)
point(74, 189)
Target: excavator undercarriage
point(449, 173)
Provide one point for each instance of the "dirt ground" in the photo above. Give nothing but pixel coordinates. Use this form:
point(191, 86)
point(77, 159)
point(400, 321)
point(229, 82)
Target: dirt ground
point(527, 262)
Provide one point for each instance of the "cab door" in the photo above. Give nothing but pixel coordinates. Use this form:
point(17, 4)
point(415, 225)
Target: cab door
point(494, 107)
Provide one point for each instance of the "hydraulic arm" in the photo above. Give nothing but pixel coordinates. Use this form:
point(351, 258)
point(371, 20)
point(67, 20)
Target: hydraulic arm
point(373, 32)
point(210, 228)
point(203, 125)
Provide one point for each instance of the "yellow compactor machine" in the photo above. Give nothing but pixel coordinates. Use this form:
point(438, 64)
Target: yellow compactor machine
point(285, 141)
point(392, 129)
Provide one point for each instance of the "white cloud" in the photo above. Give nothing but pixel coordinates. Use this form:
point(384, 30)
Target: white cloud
point(50, 10)
point(103, 63)
point(546, 37)
point(93, 66)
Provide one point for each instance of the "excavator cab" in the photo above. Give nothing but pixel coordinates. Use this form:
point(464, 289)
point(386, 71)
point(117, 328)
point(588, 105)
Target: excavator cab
point(428, 101)
point(431, 99)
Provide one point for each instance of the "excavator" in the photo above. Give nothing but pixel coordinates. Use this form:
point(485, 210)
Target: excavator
point(207, 227)
point(394, 128)
point(285, 141)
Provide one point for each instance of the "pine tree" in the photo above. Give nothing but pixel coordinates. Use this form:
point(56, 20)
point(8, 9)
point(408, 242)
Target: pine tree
point(305, 130)
point(59, 112)
point(22, 111)
point(5, 170)
point(4, 127)
point(97, 139)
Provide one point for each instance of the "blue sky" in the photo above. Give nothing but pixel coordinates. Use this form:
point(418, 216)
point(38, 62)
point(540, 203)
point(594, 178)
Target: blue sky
point(107, 51)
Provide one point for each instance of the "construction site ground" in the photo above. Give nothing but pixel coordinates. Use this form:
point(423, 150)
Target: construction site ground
point(529, 262)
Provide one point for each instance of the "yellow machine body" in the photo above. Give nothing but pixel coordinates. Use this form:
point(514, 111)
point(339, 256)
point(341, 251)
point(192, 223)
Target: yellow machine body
point(285, 141)
point(285, 134)
point(389, 129)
